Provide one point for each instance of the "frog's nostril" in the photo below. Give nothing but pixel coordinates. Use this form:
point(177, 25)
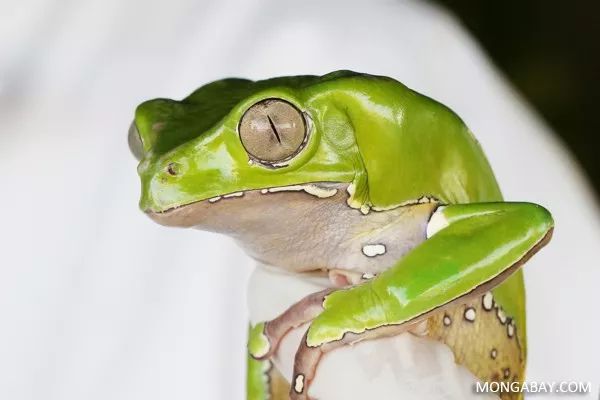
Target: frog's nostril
point(173, 169)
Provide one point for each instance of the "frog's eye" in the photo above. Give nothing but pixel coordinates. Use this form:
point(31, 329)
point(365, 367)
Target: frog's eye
point(135, 142)
point(272, 131)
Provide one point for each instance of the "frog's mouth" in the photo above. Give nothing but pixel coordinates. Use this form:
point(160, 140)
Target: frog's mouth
point(213, 213)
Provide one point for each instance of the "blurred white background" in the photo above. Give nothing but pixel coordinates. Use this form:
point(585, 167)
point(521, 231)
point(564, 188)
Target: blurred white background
point(98, 302)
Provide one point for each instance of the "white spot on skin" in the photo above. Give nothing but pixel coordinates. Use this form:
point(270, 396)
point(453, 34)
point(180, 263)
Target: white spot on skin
point(293, 188)
point(299, 383)
point(320, 192)
point(236, 194)
point(506, 372)
point(373, 250)
point(227, 196)
point(510, 329)
point(501, 315)
point(447, 320)
point(351, 189)
point(470, 314)
point(494, 354)
point(313, 190)
point(351, 201)
point(437, 222)
point(488, 301)
point(367, 276)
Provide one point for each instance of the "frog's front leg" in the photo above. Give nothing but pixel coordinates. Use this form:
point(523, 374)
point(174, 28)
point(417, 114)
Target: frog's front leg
point(471, 249)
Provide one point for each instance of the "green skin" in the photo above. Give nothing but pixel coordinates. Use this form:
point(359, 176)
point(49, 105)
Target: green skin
point(393, 146)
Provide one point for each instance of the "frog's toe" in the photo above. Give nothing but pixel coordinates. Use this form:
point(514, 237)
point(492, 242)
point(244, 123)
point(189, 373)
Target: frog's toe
point(305, 368)
point(298, 314)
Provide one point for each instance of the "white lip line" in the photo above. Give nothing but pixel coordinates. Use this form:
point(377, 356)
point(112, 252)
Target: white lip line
point(234, 194)
point(420, 200)
point(316, 189)
point(313, 189)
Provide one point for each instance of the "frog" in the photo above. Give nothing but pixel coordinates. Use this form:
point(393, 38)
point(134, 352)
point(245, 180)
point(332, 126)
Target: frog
point(384, 191)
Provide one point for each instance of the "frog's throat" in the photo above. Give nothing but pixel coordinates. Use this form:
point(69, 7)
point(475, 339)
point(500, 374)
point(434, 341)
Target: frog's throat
point(308, 227)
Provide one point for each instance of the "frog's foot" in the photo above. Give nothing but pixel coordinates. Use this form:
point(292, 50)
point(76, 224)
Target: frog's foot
point(298, 314)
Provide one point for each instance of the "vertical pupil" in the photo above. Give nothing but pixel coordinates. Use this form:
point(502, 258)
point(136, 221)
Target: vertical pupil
point(274, 128)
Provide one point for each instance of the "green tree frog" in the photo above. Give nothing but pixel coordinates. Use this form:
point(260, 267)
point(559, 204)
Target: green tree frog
point(366, 181)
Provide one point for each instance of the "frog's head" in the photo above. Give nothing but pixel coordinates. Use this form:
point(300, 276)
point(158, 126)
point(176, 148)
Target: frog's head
point(236, 136)
point(287, 156)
